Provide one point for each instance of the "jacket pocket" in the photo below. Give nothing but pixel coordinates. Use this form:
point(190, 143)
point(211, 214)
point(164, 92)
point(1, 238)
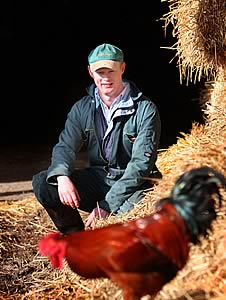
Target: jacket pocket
point(131, 137)
point(115, 174)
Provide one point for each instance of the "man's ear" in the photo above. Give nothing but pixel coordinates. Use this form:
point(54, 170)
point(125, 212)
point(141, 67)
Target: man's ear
point(90, 72)
point(123, 67)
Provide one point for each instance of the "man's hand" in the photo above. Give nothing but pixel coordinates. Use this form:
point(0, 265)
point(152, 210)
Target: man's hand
point(67, 192)
point(96, 213)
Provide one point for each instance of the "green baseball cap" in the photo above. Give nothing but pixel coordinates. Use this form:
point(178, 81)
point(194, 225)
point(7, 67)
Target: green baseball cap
point(105, 56)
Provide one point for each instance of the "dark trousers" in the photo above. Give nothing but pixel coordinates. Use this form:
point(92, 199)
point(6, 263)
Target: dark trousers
point(91, 188)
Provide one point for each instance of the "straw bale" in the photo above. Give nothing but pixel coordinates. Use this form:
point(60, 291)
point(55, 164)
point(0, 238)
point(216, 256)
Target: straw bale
point(200, 29)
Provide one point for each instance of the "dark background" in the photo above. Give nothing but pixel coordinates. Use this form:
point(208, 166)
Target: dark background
point(44, 65)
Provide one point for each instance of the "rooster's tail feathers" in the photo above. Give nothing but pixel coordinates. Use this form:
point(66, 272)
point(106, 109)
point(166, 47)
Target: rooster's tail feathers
point(196, 196)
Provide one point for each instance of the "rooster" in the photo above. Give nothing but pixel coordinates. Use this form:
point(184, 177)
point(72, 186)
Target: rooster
point(144, 254)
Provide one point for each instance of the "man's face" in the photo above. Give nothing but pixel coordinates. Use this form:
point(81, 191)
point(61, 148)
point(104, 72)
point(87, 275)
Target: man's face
point(109, 81)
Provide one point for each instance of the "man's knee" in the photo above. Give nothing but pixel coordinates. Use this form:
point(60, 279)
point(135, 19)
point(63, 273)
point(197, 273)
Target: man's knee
point(38, 180)
point(47, 194)
point(39, 185)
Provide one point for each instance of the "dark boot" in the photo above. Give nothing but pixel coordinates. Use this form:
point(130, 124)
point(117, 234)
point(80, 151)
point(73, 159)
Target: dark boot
point(65, 218)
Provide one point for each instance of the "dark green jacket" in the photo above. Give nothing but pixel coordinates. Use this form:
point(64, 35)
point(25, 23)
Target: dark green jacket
point(134, 151)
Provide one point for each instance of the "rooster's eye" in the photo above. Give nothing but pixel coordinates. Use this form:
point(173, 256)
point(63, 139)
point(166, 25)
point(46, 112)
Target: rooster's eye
point(205, 212)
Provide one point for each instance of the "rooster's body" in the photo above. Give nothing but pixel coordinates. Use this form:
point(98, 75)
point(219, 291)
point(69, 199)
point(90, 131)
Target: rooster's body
point(142, 255)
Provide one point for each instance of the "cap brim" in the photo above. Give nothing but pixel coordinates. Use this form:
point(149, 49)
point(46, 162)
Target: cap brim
point(111, 64)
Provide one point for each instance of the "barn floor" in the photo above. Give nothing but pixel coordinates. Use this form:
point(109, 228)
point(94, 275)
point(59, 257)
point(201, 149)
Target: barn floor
point(19, 164)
